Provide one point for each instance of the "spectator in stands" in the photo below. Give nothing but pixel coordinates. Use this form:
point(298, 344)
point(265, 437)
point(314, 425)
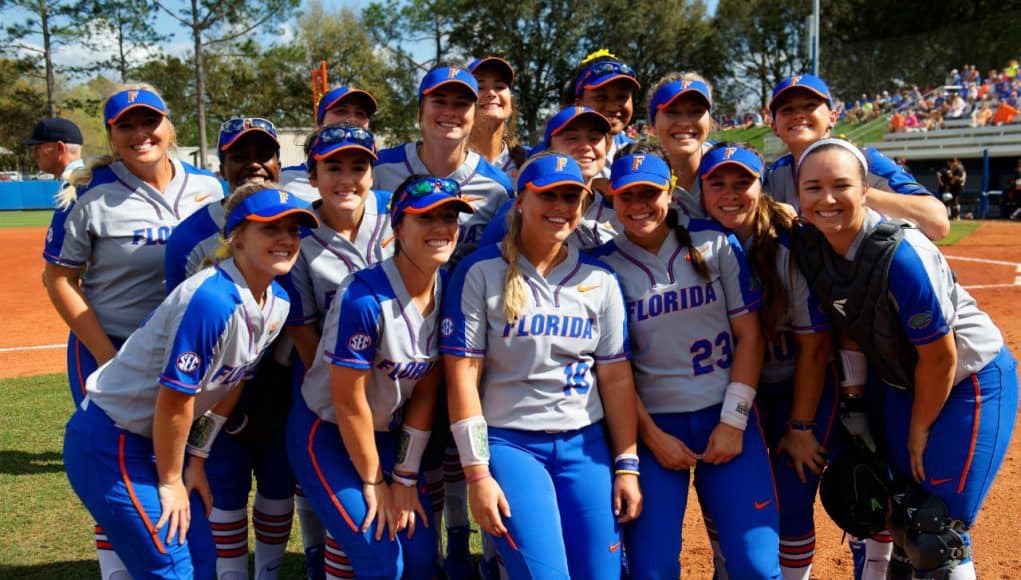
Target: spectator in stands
point(1011, 70)
point(951, 181)
point(981, 116)
point(1005, 114)
point(911, 123)
point(896, 124)
point(956, 106)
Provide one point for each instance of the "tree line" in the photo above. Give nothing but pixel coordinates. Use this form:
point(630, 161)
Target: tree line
point(256, 57)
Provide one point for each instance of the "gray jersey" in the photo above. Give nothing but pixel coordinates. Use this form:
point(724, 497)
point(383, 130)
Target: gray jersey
point(327, 258)
point(505, 163)
point(782, 184)
point(679, 322)
point(598, 225)
point(804, 315)
point(930, 302)
point(690, 202)
point(294, 179)
point(117, 231)
point(485, 186)
point(202, 340)
point(374, 326)
point(539, 368)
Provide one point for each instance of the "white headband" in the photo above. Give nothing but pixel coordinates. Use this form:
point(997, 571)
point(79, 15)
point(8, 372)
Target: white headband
point(845, 145)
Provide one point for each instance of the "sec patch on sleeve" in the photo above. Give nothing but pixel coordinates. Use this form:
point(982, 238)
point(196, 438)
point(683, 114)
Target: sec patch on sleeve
point(359, 342)
point(188, 362)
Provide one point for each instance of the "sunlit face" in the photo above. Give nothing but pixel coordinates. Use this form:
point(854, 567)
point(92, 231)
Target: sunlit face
point(494, 96)
point(683, 127)
point(802, 118)
point(552, 214)
point(47, 157)
point(612, 101)
point(347, 110)
point(447, 114)
point(642, 210)
point(585, 142)
point(265, 250)
point(141, 137)
point(731, 196)
point(251, 159)
point(428, 237)
point(344, 180)
point(832, 192)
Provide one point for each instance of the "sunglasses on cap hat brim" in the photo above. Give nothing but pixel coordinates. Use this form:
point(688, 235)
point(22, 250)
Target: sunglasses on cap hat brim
point(233, 129)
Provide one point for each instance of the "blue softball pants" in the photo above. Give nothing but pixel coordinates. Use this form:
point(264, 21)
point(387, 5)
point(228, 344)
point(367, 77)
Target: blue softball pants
point(322, 466)
point(739, 496)
point(81, 364)
point(560, 490)
point(113, 471)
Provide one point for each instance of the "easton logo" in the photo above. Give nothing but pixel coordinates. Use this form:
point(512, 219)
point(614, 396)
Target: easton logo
point(447, 326)
point(359, 342)
point(838, 305)
point(188, 362)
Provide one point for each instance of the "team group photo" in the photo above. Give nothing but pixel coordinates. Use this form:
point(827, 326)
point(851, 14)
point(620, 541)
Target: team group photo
point(437, 289)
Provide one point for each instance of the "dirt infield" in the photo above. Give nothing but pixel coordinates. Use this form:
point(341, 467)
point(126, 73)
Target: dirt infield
point(988, 262)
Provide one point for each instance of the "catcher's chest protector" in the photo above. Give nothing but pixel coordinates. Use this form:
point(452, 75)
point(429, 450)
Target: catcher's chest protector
point(855, 296)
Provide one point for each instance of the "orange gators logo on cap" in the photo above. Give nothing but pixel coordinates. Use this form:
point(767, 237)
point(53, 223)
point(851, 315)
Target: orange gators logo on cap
point(283, 197)
point(561, 163)
point(637, 162)
point(132, 95)
point(729, 152)
point(685, 83)
point(452, 72)
point(795, 80)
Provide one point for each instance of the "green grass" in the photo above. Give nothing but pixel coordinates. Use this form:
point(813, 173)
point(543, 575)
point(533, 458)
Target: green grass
point(45, 532)
point(754, 136)
point(858, 132)
point(25, 219)
point(959, 229)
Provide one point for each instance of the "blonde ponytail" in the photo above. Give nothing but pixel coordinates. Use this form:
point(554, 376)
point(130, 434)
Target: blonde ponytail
point(515, 295)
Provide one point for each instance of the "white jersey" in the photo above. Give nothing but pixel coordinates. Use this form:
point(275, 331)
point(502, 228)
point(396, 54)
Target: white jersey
point(117, 231)
point(803, 315)
point(930, 303)
point(194, 239)
point(505, 163)
point(294, 179)
point(485, 186)
point(327, 258)
point(203, 340)
point(679, 322)
point(373, 325)
point(539, 368)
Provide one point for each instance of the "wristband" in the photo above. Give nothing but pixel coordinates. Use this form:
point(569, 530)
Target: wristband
point(405, 481)
point(472, 438)
point(411, 448)
point(626, 472)
point(626, 464)
point(203, 433)
point(625, 456)
point(800, 426)
point(379, 482)
point(737, 405)
point(478, 477)
point(854, 368)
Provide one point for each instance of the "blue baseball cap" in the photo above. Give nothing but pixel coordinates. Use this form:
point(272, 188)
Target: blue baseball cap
point(639, 169)
point(670, 92)
point(269, 205)
point(569, 115)
point(335, 96)
point(331, 139)
point(445, 75)
point(602, 73)
point(504, 67)
point(233, 129)
point(124, 101)
point(810, 83)
point(424, 195)
point(549, 171)
point(738, 156)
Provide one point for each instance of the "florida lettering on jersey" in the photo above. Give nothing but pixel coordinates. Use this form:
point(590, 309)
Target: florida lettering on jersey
point(151, 236)
point(550, 325)
point(671, 301)
point(413, 370)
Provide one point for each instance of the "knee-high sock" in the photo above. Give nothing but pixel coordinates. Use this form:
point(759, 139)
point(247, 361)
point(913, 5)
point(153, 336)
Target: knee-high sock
point(313, 535)
point(877, 556)
point(272, 520)
point(796, 556)
point(230, 534)
point(110, 565)
point(336, 563)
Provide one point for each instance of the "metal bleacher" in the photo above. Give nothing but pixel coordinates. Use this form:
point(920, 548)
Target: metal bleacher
point(957, 139)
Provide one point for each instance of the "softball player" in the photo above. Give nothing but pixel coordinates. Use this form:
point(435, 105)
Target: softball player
point(802, 111)
point(494, 133)
point(582, 134)
point(340, 105)
point(368, 400)
point(104, 267)
point(679, 117)
point(553, 501)
point(797, 393)
point(181, 365)
point(607, 86)
point(691, 302)
point(953, 367)
point(447, 101)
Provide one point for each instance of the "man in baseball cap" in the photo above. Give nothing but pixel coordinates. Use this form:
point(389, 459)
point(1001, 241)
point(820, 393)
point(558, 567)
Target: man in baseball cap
point(56, 146)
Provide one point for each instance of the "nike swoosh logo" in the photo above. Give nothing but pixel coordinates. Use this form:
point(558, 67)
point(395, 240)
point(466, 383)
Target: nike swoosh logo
point(761, 504)
point(201, 198)
point(584, 288)
point(615, 547)
point(934, 481)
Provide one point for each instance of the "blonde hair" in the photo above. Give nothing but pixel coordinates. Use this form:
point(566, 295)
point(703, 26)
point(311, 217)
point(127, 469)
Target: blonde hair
point(672, 77)
point(515, 295)
point(225, 250)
